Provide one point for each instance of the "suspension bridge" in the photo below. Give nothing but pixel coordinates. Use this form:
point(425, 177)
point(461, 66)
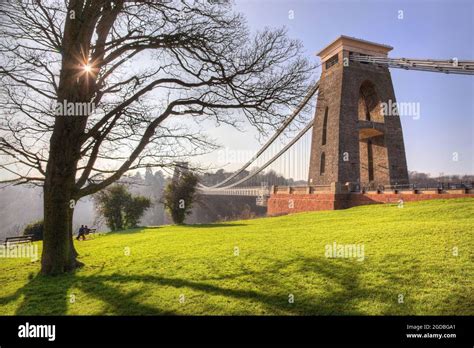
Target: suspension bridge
point(306, 157)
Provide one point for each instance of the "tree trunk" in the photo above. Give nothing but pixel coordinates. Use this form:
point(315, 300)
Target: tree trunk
point(59, 254)
point(71, 234)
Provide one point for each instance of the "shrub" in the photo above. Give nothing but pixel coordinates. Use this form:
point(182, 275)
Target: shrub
point(119, 208)
point(35, 229)
point(179, 196)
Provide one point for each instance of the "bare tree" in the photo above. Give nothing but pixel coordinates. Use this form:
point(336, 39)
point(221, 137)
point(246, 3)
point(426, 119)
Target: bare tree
point(93, 89)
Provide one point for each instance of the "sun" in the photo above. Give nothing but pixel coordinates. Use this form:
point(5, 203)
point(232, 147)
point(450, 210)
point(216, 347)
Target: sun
point(87, 68)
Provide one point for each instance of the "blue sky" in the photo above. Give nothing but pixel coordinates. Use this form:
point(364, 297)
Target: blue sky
point(429, 29)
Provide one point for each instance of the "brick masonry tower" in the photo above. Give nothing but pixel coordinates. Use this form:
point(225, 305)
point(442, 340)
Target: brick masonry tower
point(353, 140)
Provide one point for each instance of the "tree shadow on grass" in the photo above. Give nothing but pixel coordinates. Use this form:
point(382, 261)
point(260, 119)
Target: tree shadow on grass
point(118, 302)
point(351, 295)
point(42, 295)
point(340, 298)
point(418, 278)
point(45, 295)
point(342, 292)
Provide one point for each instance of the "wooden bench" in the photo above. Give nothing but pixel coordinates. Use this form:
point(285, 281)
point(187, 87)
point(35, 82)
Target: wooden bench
point(91, 231)
point(18, 240)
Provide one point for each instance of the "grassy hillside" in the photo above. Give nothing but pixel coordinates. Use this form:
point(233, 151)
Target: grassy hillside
point(252, 267)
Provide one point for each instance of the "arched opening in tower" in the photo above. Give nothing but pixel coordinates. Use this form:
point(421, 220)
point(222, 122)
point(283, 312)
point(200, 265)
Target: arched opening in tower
point(369, 103)
point(372, 149)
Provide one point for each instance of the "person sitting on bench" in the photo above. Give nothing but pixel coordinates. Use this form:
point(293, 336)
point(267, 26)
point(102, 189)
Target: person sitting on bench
point(82, 233)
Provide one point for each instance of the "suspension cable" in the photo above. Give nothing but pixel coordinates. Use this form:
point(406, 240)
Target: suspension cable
point(448, 66)
point(311, 91)
point(270, 161)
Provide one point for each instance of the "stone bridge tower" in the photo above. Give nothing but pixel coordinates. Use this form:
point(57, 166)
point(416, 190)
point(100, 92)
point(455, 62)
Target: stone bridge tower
point(354, 140)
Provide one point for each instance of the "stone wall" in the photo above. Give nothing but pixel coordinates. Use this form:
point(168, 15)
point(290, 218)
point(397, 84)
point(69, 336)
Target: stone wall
point(279, 204)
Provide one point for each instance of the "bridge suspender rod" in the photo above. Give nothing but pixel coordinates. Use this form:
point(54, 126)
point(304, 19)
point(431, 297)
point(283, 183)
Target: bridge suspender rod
point(449, 66)
point(273, 159)
point(311, 91)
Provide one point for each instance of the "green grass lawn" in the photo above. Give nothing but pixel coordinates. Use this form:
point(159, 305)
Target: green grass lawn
point(194, 269)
